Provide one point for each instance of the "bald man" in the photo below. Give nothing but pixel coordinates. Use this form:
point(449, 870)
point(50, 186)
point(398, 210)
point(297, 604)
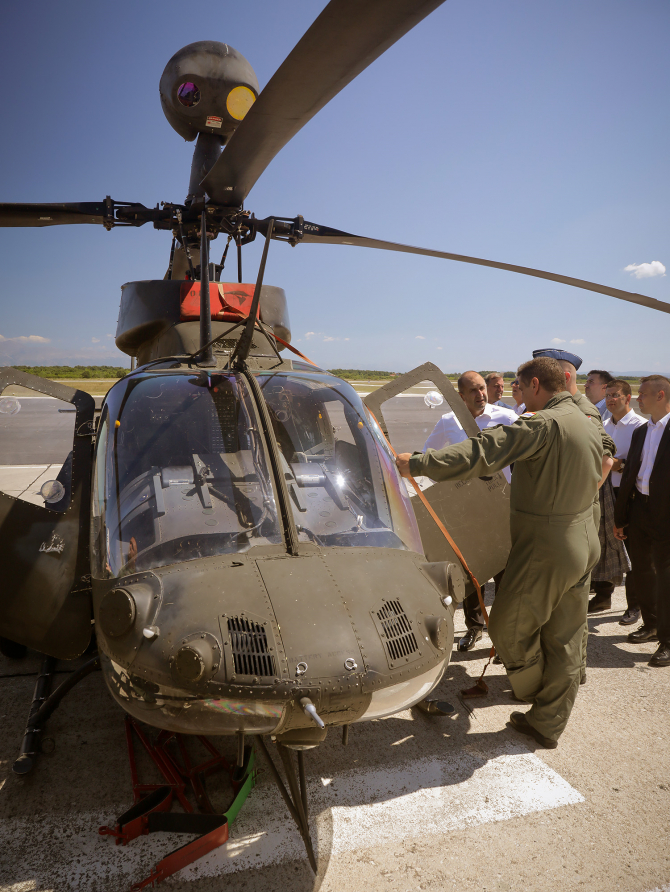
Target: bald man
point(448, 430)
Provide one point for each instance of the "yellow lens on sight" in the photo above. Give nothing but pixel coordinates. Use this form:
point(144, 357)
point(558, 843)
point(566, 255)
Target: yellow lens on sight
point(239, 101)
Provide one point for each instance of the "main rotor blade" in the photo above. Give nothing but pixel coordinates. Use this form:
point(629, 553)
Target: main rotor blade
point(325, 236)
point(347, 37)
point(51, 214)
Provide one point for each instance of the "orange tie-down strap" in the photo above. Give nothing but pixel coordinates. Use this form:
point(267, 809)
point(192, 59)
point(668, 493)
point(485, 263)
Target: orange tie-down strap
point(445, 533)
point(243, 316)
point(294, 350)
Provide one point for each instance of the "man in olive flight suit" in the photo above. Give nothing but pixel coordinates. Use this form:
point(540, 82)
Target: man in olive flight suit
point(570, 364)
point(538, 618)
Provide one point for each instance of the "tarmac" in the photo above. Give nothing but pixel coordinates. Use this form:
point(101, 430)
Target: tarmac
point(412, 802)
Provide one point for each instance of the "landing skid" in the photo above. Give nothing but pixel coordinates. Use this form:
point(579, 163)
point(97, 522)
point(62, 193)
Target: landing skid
point(42, 706)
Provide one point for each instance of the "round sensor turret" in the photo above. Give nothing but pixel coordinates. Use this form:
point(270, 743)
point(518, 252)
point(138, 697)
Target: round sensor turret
point(207, 87)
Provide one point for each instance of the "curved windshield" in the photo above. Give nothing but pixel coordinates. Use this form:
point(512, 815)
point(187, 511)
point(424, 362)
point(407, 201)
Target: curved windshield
point(343, 485)
point(180, 473)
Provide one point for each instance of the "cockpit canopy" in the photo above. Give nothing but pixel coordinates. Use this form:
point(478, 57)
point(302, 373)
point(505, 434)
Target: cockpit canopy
point(182, 469)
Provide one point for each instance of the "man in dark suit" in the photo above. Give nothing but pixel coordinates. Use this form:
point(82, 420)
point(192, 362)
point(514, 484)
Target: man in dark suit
point(643, 508)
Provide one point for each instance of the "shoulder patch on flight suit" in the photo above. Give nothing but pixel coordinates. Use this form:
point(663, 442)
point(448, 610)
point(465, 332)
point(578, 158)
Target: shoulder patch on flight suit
point(527, 414)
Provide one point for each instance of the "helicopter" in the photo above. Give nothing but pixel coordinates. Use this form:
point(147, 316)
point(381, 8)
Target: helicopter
point(233, 522)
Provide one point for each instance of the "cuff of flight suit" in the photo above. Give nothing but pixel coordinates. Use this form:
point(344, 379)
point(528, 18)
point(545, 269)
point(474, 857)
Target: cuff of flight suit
point(416, 464)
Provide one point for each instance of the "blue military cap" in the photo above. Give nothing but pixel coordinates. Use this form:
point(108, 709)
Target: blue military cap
point(552, 353)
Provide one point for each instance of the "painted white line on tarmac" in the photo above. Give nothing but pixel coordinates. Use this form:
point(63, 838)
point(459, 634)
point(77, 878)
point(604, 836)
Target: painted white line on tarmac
point(353, 810)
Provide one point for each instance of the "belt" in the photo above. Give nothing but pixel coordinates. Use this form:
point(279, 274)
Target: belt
point(640, 495)
point(565, 519)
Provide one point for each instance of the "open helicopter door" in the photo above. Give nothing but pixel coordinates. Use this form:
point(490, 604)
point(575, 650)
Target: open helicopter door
point(476, 512)
point(45, 480)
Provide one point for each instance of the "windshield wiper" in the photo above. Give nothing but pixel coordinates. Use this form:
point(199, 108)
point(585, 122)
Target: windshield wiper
point(201, 473)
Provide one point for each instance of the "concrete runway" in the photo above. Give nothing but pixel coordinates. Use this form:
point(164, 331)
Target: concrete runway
point(41, 432)
point(410, 421)
point(413, 802)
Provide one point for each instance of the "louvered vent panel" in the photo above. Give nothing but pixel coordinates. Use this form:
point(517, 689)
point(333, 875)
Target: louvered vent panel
point(249, 645)
point(400, 640)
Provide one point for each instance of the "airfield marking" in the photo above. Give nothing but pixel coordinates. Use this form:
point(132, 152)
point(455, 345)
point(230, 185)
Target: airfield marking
point(25, 481)
point(354, 810)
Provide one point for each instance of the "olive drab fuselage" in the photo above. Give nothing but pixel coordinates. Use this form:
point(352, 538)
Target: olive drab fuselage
point(207, 620)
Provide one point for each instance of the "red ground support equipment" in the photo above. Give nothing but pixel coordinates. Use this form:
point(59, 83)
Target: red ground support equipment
point(151, 810)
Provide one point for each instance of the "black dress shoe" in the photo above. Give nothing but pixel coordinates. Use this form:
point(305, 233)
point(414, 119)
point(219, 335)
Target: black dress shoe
point(630, 616)
point(644, 633)
point(470, 638)
point(435, 707)
point(597, 604)
point(519, 721)
point(662, 656)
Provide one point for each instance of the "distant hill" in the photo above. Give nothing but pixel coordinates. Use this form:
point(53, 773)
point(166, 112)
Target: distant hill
point(74, 372)
point(361, 374)
point(637, 374)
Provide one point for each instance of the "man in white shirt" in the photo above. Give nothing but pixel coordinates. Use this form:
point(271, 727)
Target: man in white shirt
point(447, 431)
point(642, 509)
point(620, 424)
point(495, 387)
point(472, 390)
point(595, 389)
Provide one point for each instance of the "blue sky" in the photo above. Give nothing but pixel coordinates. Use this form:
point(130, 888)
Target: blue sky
point(532, 133)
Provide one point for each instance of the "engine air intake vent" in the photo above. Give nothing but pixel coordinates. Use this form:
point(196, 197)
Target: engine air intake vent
point(396, 633)
point(249, 645)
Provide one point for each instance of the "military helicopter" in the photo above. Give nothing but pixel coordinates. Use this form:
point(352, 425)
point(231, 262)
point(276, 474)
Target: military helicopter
point(233, 522)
